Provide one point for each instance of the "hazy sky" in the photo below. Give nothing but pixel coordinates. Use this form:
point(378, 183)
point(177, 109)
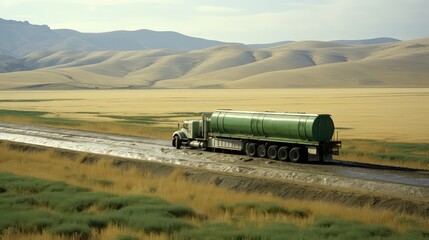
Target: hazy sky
point(243, 21)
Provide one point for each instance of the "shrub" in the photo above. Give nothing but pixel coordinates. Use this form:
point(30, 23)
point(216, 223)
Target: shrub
point(75, 230)
point(25, 219)
point(323, 228)
point(301, 213)
point(117, 218)
point(118, 202)
point(24, 200)
point(415, 234)
point(42, 223)
point(158, 223)
point(57, 187)
point(180, 211)
point(217, 231)
point(98, 222)
point(343, 229)
point(144, 210)
point(81, 202)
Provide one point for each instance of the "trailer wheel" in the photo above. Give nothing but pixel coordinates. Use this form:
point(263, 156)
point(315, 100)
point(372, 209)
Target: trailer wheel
point(262, 151)
point(283, 153)
point(251, 149)
point(295, 155)
point(272, 152)
point(177, 143)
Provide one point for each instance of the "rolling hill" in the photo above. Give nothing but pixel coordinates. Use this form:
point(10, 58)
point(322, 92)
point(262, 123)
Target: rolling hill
point(37, 57)
point(311, 64)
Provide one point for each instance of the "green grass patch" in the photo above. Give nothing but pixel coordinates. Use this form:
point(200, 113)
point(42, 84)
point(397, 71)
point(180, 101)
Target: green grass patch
point(150, 119)
point(142, 126)
point(38, 116)
point(27, 114)
point(32, 205)
point(242, 208)
point(186, 114)
point(88, 112)
point(387, 151)
point(145, 126)
point(322, 228)
point(75, 230)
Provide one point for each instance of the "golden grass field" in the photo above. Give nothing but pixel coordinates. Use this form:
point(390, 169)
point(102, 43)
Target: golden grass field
point(390, 114)
point(393, 115)
point(175, 188)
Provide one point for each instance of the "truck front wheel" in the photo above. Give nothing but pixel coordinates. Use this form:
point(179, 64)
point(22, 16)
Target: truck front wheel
point(177, 143)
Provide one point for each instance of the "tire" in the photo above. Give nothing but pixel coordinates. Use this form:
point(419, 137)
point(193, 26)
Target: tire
point(295, 155)
point(177, 142)
point(251, 149)
point(272, 152)
point(283, 153)
point(262, 151)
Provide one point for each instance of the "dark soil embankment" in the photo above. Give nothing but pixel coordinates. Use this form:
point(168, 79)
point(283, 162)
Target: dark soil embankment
point(245, 183)
point(305, 192)
point(286, 189)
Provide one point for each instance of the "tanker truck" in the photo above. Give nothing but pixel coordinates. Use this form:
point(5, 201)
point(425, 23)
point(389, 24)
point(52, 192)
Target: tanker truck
point(295, 137)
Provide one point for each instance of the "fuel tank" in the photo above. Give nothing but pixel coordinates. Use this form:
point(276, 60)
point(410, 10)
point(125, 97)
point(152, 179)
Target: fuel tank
point(309, 127)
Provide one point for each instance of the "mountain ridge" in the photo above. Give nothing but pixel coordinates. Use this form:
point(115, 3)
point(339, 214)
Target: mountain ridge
point(20, 38)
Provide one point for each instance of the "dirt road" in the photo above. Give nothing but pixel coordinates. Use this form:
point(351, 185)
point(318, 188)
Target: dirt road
point(342, 175)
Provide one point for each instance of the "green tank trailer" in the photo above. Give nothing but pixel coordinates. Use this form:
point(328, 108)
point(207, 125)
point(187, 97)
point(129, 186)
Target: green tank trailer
point(295, 137)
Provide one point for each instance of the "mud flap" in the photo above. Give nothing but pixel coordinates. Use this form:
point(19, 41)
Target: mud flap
point(313, 153)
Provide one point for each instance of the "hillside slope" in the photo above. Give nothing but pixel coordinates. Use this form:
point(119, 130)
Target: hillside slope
point(299, 64)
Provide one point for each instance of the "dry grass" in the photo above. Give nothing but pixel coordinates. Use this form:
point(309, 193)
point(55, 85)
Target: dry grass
point(204, 198)
point(110, 233)
point(383, 114)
